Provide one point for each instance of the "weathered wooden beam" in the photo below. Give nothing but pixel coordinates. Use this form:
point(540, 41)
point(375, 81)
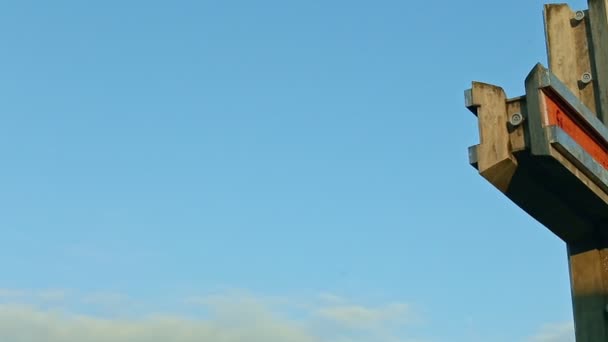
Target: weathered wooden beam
point(576, 57)
point(559, 150)
point(517, 138)
point(555, 165)
point(494, 158)
point(588, 260)
point(598, 17)
point(568, 40)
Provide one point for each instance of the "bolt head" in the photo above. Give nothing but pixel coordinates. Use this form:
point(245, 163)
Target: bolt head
point(586, 78)
point(516, 119)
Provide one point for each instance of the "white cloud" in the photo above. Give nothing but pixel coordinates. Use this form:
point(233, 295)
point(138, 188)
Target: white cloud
point(30, 324)
point(228, 318)
point(557, 332)
point(105, 298)
point(51, 295)
point(331, 298)
point(366, 317)
point(7, 294)
point(10, 295)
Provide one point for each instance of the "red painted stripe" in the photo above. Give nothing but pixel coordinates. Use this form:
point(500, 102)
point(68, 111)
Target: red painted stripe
point(561, 115)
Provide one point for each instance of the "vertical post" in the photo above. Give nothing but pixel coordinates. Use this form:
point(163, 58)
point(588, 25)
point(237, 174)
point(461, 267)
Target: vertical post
point(588, 276)
point(598, 16)
point(592, 289)
point(574, 46)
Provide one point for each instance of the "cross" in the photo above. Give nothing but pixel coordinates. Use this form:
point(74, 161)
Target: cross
point(547, 151)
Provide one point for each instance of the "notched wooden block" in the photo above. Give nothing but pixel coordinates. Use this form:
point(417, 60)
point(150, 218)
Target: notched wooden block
point(554, 163)
point(493, 156)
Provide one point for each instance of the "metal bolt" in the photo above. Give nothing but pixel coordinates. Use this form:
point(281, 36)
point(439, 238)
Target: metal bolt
point(579, 15)
point(516, 119)
point(586, 78)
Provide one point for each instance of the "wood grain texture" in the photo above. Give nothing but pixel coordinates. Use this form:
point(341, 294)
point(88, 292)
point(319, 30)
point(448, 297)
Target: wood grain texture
point(568, 43)
point(575, 47)
point(588, 276)
point(539, 144)
point(598, 18)
point(495, 161)
point(517, 136)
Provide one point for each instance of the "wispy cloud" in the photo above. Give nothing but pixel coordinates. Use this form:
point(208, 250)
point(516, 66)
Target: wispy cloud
point(229, 318)
point(556, 332)
point(358, 316)
point(31, 324)
point(28, 296)
point(12, 294)
point(106, 299)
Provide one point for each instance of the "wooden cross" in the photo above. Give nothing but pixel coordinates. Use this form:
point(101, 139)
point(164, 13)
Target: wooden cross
point(547, 151)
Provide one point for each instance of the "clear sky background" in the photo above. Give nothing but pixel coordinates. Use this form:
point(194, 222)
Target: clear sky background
point(264, 171)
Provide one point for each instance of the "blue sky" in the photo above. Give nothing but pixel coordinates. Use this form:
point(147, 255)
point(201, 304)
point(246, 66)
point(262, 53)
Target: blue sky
point(265, 171)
